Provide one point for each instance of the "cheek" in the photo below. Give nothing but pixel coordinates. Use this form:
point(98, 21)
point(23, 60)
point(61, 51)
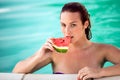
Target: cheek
point(78, 31)
point(63, 30)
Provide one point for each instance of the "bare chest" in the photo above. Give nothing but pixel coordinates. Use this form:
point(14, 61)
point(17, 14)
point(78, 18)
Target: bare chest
point(78, 59)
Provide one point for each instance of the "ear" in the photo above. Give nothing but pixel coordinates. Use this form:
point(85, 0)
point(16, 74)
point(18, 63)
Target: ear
point(86, 24)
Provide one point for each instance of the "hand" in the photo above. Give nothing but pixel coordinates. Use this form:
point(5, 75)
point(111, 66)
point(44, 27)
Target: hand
point(46, 48)
point(88, 73)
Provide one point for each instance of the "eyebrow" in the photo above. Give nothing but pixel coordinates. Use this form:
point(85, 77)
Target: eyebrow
point(73, 21)
point(70, 22)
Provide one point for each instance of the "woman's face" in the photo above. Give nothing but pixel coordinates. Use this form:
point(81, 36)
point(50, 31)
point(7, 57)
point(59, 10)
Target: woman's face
point(72, 26)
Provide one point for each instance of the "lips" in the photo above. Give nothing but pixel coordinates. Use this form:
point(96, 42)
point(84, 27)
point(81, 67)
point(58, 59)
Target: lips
point(70, 36)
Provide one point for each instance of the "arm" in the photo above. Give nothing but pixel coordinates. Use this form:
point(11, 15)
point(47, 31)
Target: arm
point(111, 54)
point(41, 58)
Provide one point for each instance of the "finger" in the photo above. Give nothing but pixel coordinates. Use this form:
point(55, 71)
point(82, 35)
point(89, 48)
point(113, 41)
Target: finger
point(82, 75)
point(88, 77)
point(48, 46)
point(79, 74)
point(82, 72)
point(50, 41)
point(85, 77)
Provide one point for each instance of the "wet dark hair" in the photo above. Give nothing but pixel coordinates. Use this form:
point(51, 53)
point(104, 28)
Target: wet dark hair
point(84, 16)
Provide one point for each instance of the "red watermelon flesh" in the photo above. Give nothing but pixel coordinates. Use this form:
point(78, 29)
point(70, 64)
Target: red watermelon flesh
point(61, 44)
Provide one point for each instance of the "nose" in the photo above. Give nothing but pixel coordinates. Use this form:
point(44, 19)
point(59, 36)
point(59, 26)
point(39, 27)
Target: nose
point(67, 31)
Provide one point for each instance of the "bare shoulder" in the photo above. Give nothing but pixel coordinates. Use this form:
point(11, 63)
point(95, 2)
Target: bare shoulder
point(106, 47)
point(110, 52)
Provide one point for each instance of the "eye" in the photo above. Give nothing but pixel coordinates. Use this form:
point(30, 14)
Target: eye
point(73, 25)
point(63, 25)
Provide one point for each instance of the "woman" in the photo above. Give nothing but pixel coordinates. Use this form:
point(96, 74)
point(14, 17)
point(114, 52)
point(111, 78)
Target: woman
point(83, 57)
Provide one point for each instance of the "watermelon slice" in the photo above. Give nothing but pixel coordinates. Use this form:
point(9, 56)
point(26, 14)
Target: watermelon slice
point(61, 44)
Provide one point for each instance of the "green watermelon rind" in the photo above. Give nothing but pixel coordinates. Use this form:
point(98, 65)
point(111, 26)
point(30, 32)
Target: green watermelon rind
point(60, 49)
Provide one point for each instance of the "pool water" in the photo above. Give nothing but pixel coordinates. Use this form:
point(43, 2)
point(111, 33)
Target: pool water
point(26, 24)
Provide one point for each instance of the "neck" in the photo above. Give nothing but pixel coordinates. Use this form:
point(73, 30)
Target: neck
point(81, 44)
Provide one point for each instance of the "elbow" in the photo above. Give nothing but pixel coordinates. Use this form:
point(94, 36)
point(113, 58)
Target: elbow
point(19, 68)
point(20, 71)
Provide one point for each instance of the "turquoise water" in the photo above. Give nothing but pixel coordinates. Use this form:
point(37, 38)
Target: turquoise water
point(25, 26)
